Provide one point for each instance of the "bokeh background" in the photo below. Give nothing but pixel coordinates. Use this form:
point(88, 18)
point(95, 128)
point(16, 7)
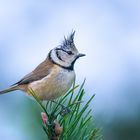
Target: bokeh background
point(108, 31)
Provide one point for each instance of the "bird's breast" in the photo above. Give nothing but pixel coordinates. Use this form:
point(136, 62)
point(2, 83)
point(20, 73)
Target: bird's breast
point(54, 84)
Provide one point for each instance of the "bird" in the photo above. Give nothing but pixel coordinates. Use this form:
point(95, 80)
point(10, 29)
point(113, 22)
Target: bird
point(55, 75)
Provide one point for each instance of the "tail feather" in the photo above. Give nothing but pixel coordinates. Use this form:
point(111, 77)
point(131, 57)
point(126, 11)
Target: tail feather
point(9, 89)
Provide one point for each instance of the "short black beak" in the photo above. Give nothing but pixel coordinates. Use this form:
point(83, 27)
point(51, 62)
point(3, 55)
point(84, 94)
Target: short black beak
point(80, 55)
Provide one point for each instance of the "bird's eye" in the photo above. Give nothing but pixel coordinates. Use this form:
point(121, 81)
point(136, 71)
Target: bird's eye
point(69, 52)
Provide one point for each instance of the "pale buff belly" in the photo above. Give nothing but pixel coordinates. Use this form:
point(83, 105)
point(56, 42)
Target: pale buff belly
point(54, 85)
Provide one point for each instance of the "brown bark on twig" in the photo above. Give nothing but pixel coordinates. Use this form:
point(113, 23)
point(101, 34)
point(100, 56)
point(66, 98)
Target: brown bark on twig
point(57, 131)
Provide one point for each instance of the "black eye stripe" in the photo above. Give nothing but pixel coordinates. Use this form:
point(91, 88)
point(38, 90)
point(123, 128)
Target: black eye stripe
point(68, 52)
point(61, 50)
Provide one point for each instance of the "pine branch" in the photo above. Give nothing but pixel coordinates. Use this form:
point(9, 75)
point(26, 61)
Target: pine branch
point(68, 118)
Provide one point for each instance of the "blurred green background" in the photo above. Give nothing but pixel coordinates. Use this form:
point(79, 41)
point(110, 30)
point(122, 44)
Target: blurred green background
point(107, 31)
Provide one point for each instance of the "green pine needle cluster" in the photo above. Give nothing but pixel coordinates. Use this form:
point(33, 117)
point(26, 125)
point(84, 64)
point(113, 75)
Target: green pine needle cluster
point(73, 115)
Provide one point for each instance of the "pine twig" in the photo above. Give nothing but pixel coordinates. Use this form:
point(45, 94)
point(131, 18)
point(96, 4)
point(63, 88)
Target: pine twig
point(69, 117)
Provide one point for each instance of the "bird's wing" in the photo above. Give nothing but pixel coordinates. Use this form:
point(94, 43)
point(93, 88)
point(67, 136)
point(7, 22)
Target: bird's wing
point(38, 73)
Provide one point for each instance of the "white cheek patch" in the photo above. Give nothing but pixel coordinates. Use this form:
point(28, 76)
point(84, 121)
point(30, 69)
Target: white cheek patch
point(54, 57)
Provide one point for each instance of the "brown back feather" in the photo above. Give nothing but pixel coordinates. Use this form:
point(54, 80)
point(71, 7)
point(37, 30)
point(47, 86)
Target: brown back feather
point(41, 71)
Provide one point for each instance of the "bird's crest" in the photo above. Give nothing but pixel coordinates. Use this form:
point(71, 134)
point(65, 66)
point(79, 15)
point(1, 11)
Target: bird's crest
point(68, 41)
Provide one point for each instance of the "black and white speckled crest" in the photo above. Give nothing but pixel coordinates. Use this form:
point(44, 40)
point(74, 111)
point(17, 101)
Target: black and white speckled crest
point(68, 42)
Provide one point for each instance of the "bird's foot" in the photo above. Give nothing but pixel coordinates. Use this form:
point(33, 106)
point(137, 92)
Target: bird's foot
point(64, 109)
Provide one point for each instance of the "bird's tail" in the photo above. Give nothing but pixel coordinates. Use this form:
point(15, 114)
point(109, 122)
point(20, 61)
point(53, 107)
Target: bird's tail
point(9, 89)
